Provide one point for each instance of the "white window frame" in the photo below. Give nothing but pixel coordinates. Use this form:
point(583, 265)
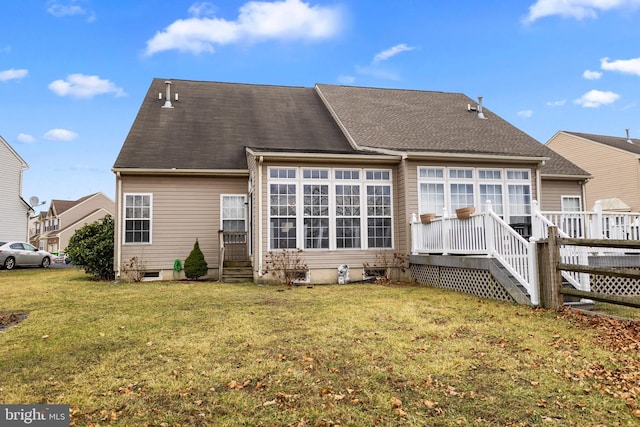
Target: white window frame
point(283, 180)
point(385, 178)
point(348, 182)
point(125, 219)
point(244, 210)
point(563, 203)
point(378, 182)
point(446, 180)
point(319, 181)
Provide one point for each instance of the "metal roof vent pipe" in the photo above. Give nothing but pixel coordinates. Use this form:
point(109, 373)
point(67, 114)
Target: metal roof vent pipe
point(167, 102)
point(480, 114)
point(628, 139)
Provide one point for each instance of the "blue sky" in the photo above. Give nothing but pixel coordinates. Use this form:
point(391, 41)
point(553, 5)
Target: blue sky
point(73, 72)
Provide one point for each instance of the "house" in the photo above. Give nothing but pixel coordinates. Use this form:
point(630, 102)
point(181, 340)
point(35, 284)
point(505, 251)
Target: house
point(51, 230)
point(14, 210)
point(613, 161)
point(336, 171)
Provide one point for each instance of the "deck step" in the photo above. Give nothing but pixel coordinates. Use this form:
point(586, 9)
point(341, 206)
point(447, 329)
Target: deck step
point(237, 272)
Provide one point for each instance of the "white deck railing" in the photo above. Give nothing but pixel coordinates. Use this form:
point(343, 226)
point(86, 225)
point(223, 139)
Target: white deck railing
point(595, 224)
point(482, 234)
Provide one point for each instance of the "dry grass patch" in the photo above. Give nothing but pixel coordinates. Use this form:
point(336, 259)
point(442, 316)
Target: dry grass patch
point(204, 353)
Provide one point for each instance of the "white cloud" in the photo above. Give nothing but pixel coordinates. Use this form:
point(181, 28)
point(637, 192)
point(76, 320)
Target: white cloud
point(559, 103)
point(60, 135)
point(596, 98)
point(525, 114)
point(386, 54)
point(83, 86)
point(626, 66)
point(577, 9)
point(61, 9)
point(591, 75)
point(257, 21)
point(26, 138)
point(13, 74)
point(346, 80)
point(202, 9)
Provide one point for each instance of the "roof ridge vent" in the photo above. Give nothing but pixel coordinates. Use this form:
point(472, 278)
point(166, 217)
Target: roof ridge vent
point(480, 114)
point(167, 102)
point(628, 139)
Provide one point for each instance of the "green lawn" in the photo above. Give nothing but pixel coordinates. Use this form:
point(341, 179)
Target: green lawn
point(204, 353)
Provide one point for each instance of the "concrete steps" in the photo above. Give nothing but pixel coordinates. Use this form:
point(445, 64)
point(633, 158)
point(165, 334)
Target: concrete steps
point(237, 272)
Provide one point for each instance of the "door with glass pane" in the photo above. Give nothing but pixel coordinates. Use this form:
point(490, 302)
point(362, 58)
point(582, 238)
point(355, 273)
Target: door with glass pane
point(233, 217)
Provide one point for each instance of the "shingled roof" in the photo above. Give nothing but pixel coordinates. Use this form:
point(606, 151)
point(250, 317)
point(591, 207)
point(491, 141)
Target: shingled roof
point(613, 141)
point(212, 123)
point(425, 121)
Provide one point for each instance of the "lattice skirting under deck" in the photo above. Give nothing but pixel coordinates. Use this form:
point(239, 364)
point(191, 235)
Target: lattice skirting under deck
point(622, 286)
point(475, 282)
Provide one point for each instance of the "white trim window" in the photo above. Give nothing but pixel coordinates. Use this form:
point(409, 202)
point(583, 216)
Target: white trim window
point(137, 218)
point(431, 194)
point(315, 205)
point(571, 203)
point(282, 208)
point(379, 209)
point(509, 191)
point(233, 212)
point(334, 208)
point(348, 211)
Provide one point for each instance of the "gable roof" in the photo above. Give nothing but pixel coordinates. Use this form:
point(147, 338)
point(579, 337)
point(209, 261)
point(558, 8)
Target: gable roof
point(612, 141)
point(58, 207)
point(212, 123)
point(23, 164)
point(434, 122)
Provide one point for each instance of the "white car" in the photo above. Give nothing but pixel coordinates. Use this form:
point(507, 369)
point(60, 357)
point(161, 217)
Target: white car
point(22, 254)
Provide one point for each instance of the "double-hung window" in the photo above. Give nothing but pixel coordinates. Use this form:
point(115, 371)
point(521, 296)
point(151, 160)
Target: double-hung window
point(137, 218)
point(334, 208)
point(491, 189)
point(461, 188)
point(282, 207)
point(315, 190)
point(431, 190)
point(519, 193)
point(348, 200)
point(379, 209)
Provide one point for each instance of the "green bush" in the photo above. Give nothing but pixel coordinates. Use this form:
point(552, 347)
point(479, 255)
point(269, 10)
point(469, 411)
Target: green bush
point(92, 248)
point(195, 265)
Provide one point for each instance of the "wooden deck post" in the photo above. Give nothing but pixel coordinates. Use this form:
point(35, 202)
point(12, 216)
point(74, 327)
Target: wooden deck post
point(550, 276)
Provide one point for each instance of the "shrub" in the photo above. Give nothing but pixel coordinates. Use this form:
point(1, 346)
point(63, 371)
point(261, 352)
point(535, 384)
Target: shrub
point(195, 266)
point(134, 269)
point(286, 266)
point(92, 248)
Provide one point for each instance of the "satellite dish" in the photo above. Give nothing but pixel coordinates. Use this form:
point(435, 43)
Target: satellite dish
point(34, 201)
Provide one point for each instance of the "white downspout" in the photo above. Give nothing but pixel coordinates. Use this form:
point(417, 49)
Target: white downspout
point(539, 183)
point(118, 213)
point(259, 225)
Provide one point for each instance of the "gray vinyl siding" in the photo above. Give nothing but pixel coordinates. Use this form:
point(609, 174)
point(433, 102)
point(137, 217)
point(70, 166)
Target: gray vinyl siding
point(66, 234)
point(79, 211)
point(183, 209)
point(13, 211)
point(553, 190)
point(616, 173)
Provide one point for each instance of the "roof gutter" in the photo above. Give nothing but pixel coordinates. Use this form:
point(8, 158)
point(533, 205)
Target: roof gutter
point(323, 157)
point(184, 172)
point(567, 177)
point(474, 156)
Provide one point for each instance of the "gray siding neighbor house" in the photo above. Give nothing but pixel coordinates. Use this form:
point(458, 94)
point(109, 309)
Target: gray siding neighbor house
point(336, 171)
point(14, 210)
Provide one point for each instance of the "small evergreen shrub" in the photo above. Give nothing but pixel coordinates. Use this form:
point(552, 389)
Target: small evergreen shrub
point(195, 266)
point(92, 248)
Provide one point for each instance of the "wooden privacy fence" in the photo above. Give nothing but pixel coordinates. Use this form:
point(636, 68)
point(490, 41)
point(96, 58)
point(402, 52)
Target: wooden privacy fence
point(551, 266)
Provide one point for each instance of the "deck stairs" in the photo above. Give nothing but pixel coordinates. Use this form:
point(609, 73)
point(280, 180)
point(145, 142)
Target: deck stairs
point(237, 272)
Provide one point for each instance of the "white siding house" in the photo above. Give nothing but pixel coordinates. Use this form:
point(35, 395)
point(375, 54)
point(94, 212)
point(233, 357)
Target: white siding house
point(14, 211)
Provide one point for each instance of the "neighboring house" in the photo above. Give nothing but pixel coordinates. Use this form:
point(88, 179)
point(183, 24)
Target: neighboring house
point(14, 210)
point(613, 161)
point(51, 230)
point(336, 171)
